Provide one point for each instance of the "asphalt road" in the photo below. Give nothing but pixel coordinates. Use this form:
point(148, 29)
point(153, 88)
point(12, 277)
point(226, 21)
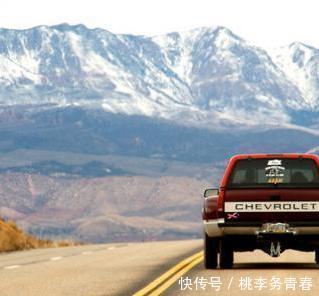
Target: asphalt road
point(254, 273)
point(122, 269)
point(112, 269)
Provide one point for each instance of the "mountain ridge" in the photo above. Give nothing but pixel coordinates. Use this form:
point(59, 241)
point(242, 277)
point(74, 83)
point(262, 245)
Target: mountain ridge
point(204, 77)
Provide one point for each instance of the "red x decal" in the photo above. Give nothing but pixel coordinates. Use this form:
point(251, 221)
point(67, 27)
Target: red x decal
point(232, 216)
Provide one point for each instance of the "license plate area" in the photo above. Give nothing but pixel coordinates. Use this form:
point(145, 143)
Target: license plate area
point(275, 228)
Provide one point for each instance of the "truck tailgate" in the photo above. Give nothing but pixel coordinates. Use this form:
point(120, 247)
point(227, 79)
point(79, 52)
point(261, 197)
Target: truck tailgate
point(271, 205)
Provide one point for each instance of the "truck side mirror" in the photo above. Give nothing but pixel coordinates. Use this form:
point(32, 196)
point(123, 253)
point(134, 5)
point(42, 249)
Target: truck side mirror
point(211, 192)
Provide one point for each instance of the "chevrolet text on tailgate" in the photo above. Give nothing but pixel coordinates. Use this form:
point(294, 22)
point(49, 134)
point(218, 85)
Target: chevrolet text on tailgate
point(265, 201)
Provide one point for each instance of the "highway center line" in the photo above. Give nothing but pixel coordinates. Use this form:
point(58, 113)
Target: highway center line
point(167, 279)
point(176, 276)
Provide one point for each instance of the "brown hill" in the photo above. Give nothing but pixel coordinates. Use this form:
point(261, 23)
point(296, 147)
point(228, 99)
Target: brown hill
point(12, 238)
point(103, 209)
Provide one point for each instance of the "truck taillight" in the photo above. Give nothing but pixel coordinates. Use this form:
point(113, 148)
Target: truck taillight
point(210, 208)
point(221, 200)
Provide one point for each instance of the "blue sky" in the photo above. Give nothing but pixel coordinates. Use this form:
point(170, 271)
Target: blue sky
point(265, 23)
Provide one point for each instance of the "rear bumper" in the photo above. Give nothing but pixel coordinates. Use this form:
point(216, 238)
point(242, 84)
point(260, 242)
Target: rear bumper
point(218, 227)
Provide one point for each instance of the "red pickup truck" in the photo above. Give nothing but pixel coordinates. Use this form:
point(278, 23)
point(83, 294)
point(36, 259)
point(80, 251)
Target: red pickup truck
point(265, 201)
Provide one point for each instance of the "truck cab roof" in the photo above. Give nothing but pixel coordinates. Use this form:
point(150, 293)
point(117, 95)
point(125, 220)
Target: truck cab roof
point(279, 155)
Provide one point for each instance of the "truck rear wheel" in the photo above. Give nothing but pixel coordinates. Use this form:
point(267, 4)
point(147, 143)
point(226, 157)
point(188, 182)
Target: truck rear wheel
point(317, 256)
point(210, 252)
point(226, 256)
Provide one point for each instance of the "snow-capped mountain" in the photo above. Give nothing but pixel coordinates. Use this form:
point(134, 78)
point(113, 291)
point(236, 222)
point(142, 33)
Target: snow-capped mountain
point(300, 63)
point(207, 76)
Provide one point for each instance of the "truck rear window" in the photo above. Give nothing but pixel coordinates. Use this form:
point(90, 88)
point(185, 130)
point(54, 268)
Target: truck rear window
point(265, 172)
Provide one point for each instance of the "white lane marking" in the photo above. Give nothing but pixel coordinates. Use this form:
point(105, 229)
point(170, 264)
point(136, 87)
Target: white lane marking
point(87, 252)
point(12, 266)
point(55, 258)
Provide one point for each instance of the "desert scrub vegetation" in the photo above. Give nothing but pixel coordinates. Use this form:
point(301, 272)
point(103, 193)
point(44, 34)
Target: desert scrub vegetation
point(12, 238)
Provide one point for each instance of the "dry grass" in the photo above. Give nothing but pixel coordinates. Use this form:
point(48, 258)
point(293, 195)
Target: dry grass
point(13, 239)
